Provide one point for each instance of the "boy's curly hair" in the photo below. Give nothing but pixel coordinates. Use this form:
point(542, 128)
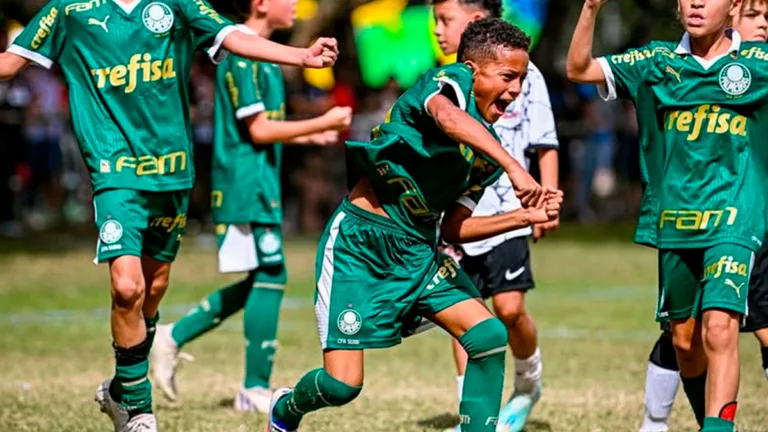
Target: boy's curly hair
point(483, 37)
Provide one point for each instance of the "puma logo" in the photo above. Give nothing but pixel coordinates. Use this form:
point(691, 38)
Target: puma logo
point(731, 284)
point(674, 73)
point(102, 24)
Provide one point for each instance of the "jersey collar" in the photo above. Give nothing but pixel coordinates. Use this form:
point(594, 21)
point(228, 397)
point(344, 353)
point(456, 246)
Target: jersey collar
point(127, 8)
point(245, 29)
point(684, 48)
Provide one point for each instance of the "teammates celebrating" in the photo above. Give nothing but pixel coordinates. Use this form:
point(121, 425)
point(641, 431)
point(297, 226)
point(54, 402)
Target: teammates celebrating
point(448, 163)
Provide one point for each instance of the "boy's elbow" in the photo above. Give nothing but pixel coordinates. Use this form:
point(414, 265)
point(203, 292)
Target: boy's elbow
point(450, 234)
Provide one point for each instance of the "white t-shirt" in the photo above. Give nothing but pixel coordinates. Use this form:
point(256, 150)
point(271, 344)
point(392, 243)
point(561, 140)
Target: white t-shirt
point(528, 124)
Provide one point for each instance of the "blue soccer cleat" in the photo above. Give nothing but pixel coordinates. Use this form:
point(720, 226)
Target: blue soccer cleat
point(514, 415)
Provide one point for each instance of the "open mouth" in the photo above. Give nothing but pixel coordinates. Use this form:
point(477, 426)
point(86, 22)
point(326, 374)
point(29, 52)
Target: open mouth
point(501, 105)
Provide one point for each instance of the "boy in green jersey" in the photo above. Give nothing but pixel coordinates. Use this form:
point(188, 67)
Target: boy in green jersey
point(249, 131)
point(663, 375)
point(378, 269)
point(127, 63)
point(702, 110)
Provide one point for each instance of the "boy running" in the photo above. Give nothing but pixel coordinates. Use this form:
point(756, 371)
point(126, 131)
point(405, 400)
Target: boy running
point(663, 375)
point(500, 267)
point(378, 269)
point(700, 103)
point(249, 131)
point(127, 64)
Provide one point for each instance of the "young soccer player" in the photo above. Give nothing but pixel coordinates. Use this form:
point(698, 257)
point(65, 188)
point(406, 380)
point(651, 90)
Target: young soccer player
point(249, 130)
point(377, 265)
point(127, 64)
point(500, 267)
point(700, 106)
point(663, 375)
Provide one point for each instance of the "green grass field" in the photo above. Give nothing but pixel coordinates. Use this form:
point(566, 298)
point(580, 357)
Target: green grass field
point(593, 305)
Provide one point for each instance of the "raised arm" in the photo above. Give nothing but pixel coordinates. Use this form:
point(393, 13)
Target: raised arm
point(266, 131)
point(10, 65)
point(460, 227)
point(581, 65)
point(320, 55)
point(462, 128)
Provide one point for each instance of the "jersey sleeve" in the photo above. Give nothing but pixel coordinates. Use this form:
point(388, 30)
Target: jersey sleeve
point(246, 88)
point(208, 27)
point(472, 196)
point(43, 39)
point(624, 72)
point(454, 82)
point(542, 133)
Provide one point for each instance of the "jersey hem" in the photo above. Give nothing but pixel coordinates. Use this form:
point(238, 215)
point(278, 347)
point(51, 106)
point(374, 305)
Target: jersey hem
point(705, 244)
point(31, 55)
point(168, 187)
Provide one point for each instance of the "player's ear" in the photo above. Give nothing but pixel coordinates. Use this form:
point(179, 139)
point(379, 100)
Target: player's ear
point(472, 65)
point(735, 8)
point(477, 15)
point(260, 6)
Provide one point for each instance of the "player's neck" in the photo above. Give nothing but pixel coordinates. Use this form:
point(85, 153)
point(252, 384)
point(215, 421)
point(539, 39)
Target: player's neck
point(259, 25)
point(711, 46)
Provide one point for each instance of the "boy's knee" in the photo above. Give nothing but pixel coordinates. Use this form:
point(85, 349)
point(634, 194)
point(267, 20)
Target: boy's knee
point(721, 331)
point(127, 291)
point(485, 338)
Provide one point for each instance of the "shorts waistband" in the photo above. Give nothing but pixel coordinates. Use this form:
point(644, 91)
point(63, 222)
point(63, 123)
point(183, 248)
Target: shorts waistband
point(373, 218)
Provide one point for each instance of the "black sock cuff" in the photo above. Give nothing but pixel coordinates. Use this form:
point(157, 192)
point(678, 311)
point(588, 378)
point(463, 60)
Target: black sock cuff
point(764, 354)
point(701, 379)
point(663, 354)
point(133, 355)
point(152, 322)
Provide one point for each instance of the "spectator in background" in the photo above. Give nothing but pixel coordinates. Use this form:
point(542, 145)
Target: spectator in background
point(15, 96)
point(45, 127)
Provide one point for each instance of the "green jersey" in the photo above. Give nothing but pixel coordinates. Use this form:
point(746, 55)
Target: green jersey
point(246, 176)
point(703, 131)
point(416, 170)
point(128, 68)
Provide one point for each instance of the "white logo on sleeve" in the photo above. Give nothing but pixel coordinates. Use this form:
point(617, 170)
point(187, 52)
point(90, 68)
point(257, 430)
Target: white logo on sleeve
point(158, 18)
point(512, 275)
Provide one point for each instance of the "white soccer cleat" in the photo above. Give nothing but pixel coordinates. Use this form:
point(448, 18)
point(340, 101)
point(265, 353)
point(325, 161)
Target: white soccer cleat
point(164, 359)
point(141, 423)
point(272, 424)
point(116, 412)
point(253, 400)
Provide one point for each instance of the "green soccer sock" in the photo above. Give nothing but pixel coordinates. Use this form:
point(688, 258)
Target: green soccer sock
point(261, 315)
point(212, 311)
point(315, 390)
point(717, 424)
point(130, 385)
point(486, 346)
point(151, 324)
point(695, 389)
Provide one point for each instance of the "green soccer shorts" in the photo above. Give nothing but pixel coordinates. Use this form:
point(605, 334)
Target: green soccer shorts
point(695, 280)
point(248, 246)
point(139, 223)
point(373, 279)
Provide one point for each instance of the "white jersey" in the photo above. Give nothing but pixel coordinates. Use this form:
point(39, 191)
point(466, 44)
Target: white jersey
point(528, 124)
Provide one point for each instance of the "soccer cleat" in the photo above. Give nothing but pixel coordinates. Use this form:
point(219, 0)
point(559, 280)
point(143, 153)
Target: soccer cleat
point(141, 423)
point(273, 425)
point(116, 412)
point(164, 359)
point(515, 413)
point(253, 400)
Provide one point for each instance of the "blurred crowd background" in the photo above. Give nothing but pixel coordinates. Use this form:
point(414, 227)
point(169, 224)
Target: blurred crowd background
point(385, 45)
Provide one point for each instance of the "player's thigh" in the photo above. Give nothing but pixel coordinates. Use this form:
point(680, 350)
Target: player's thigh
point(757, 298)
point(727, 270)
point(121, 217)
point(451, 300)
point(679, 293)
point(368, 275)
point(345, 365)
point(167, 221)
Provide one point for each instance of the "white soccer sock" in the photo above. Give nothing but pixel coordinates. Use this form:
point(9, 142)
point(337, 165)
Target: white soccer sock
point(660, 391)
point(766, 372)
point(459, 386)
point(528, 372)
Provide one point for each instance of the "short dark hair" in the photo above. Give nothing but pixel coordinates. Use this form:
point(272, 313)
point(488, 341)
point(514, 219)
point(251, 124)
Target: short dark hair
point(483, 37)
point(493, 7)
